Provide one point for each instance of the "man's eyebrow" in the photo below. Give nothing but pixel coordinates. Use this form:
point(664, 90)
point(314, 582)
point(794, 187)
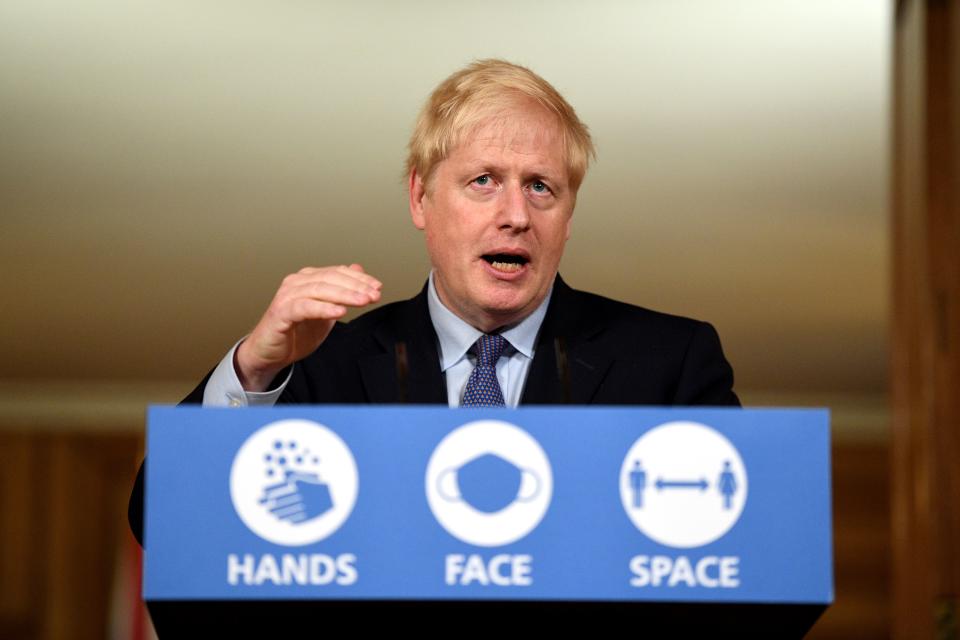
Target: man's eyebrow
point(543, 172)
point(480, 164)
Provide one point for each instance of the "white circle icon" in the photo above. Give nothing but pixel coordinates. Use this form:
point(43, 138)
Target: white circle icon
point(683, 484)
point(293, 482)
point(489, 483)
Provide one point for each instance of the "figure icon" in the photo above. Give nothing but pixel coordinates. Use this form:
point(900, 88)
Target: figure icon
point(638, 482)
point(727, 485)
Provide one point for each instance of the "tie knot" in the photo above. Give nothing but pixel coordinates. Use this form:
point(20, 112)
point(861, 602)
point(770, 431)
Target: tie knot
point(489, 348)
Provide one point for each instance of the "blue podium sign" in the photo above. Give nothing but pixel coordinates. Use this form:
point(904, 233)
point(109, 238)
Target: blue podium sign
point(550, 504)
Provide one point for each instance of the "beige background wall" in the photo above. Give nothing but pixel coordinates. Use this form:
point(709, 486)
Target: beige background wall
point(163, 165)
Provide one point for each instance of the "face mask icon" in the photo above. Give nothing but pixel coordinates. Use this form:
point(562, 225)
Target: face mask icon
point(488, 483)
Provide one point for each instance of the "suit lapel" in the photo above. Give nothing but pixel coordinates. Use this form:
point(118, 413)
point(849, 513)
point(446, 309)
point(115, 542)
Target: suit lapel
point(411, 328)
point(543, 383)
point(567, 325)
point(379, 378)
point(589, 365)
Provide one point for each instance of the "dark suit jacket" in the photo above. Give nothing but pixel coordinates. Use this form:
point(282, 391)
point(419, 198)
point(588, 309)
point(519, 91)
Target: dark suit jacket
point(590, 350)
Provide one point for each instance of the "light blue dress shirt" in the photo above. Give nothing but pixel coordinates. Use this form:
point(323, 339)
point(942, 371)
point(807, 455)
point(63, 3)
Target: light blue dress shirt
point(454, 337)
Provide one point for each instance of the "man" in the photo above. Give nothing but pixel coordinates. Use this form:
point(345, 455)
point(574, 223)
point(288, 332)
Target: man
point(496, 159)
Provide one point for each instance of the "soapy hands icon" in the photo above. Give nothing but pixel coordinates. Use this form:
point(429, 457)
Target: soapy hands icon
point(299, 498)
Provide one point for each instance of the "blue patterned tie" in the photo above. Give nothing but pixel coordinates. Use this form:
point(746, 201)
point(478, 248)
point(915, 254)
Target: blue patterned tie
point(483, 388)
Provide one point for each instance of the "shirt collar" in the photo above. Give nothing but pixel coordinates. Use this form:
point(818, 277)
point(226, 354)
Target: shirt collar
point(456, 336)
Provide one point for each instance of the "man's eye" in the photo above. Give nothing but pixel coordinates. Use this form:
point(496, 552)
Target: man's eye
point(540, 187)
point(482, 181)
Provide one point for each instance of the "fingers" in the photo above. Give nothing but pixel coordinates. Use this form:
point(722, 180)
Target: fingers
point(293, 512)
point(334, 292)
point(336, 286)
point(350, 277)
point(324, 293)
point(321, 300)
point(274, 491)
point(285, 501)
point(305, 309)
point(300, 317)
point(282, 500)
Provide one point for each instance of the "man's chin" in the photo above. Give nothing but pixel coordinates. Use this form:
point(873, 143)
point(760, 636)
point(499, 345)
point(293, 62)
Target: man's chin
point(490, 306)
point(501, 313)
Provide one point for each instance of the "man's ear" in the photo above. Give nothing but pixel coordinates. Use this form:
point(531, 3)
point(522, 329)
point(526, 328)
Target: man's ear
point(417, 191)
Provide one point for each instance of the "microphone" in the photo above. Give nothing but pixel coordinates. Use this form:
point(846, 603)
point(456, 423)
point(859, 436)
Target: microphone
point(563, 368)
point(400, 351)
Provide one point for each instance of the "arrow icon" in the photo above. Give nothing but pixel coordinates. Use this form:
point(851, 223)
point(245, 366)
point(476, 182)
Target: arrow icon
point(701, 484)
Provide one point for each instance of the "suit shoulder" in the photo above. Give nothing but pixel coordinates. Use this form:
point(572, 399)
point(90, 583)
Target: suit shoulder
point(607, 313)
point(679, 356)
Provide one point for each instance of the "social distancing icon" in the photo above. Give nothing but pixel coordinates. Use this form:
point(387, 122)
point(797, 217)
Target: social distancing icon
point(683, 484)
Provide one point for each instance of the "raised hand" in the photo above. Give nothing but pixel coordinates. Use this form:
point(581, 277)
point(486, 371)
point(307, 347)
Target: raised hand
point(299, 319)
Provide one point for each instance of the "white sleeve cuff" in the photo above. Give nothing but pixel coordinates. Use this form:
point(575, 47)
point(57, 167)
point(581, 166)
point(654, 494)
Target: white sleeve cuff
point(223, 389)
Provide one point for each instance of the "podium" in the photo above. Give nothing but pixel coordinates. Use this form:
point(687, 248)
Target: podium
point(658, 521)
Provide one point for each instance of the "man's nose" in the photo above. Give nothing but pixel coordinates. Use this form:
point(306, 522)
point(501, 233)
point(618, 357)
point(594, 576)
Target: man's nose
point(514, 209)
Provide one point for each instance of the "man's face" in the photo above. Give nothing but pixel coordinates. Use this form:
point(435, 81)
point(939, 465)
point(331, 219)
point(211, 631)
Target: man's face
point(496, 214)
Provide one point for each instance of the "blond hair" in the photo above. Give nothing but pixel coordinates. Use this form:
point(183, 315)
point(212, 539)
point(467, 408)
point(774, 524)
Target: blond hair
point(484, 89)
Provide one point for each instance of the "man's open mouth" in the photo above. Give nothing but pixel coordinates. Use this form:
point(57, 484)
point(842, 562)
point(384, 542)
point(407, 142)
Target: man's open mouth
point(505, 261)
